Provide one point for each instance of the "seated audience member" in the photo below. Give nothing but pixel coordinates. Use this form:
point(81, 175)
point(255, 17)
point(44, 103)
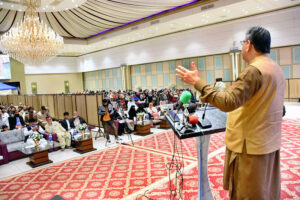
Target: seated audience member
point(21, 111)
point(76, 120)
point(41, 116)
point(63, 136)
point(132, 112)
point(154, 113)
point(151, 109)
point(11, 111)
point(32, 127)
point(67, 123)
point(4, 113)
point(4, 128)
point(30, 115)
point(106, 112)
point(16, 121)
point(3, 120)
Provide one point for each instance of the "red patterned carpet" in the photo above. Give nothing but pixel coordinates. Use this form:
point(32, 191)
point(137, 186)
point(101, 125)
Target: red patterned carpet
point(126, 171)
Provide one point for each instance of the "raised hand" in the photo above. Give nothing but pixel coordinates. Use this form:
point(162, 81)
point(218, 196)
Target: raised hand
point(188, 76)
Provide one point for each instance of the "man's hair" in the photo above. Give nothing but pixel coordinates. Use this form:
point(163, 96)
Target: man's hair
point(31, 120)
point(47, 117)
point(260, 38)
point(66, 113)
point(4, 126)
point(43, 108)
point(104, 101)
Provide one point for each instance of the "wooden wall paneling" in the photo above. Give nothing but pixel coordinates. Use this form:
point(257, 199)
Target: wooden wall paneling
point(92, 113)
point(286, 92)
point(14, 99)
point(29, 101)
point(40, 100)
point(44, 100)
point(294, 88)
point(69, 105)
point(35, 103)
point(50, 101)
point(60, 106)
point(5, 100)
point(99, 102)
point(21, 99)
point(56, 106)
point(81, 106)
point(74, 103)
point(9, 99)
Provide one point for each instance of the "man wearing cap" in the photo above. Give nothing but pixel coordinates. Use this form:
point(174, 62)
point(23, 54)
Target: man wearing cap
point(253, 129)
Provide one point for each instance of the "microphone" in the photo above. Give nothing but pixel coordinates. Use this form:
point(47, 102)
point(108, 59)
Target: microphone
point(184, 99)
point(205, 123)
point(193, 120)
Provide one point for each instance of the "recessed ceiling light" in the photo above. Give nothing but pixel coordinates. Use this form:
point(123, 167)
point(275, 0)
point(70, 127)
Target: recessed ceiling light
point(12, 6)
point(53, 8)
point(1, 3)
point(76, 5)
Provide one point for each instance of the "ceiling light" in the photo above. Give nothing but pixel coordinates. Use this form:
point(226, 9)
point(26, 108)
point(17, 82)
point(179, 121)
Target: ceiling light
point(12, 6)
point(1, 3)
point(31, 41)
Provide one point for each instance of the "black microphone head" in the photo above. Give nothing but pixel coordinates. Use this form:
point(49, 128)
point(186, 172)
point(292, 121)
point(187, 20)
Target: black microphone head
point(192, 108)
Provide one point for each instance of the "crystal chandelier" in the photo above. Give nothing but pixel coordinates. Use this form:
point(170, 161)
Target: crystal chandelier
point(31, 41)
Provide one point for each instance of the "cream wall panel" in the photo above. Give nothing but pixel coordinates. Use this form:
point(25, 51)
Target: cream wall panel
point(172, 78)
point(178, 62)
point(285, 56)
point(148, 81)
point(202, 75)
point(115, 83)
point(296, 71)
point(209, 63)
point(138, 81)
point(166, 68)
point(153, 68)
point(110, 73)
point(54, 83)
point(160, 80)
point(107, 84)
point(219, 74)
point(226, 61)
point(132, 70)
point(143, 69)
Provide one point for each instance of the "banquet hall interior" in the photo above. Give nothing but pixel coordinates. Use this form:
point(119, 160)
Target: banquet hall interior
point(88, 90)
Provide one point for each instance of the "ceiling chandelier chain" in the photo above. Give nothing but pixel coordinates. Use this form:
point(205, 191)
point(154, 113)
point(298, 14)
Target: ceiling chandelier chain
point(31, 41)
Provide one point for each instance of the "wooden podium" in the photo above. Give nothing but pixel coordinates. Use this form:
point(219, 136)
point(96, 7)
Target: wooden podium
point(218, 120)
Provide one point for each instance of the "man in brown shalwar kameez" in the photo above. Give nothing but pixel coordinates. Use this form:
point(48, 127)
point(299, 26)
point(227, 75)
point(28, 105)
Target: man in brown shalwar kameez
point(253, 129)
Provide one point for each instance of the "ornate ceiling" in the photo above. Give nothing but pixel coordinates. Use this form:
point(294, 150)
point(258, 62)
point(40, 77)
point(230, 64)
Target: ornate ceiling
point(83, 19)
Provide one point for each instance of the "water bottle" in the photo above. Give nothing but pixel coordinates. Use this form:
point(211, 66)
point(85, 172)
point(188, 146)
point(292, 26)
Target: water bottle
point(50, 140)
